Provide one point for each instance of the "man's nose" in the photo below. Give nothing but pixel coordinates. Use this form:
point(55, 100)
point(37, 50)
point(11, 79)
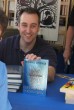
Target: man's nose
point(28, 30)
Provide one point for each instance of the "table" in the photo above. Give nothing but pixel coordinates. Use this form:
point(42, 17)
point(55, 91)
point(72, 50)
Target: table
point(54, 100)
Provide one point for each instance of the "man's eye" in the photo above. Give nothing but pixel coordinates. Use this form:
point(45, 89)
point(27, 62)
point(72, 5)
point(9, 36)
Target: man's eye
point(33, 26)
point(24, 25)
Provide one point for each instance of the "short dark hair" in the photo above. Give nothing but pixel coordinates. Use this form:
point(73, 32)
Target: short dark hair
point(29, 10)
point(3, 20)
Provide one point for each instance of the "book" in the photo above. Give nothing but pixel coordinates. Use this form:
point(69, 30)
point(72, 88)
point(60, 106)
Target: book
point(68, 87)
point(69, 102)
point(14, 81)
point(15, 78)
point(10, 86)
point(15, 88)
point(35, 76)
point(69, 96)
point(14, 75)
point(16, 69)
point(12, 90)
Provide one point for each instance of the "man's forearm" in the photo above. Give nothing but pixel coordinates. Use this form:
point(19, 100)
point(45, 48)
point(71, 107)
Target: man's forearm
point(51, 73)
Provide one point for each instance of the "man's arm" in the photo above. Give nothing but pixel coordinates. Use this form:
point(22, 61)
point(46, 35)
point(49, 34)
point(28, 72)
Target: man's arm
point(51, 73)
point(69, 38)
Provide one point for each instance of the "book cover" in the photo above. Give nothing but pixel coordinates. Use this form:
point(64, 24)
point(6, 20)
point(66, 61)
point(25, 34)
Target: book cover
point(35, 76)
point(68, 87)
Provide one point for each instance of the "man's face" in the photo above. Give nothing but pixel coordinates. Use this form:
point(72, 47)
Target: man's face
point(28, 27)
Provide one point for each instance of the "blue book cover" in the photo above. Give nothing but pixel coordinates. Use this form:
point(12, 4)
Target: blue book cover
point(35, 76)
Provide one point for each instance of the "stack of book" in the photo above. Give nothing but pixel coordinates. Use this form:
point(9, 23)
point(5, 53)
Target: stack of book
point(15, 78)
point(68, 89)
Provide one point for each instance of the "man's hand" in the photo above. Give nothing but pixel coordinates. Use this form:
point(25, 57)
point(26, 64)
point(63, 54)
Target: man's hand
point(32, 57)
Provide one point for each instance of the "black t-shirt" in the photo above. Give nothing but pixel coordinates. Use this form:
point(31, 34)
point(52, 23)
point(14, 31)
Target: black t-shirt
point(71, 18)
point(11, 54)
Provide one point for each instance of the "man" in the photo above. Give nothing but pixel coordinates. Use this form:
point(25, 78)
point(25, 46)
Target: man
point(14, 49)
point(69, 38)
point(4, 103)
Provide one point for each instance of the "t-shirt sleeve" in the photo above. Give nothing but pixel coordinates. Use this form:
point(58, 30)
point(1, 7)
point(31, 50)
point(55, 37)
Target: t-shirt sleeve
point(52, 58)
point(50, 54)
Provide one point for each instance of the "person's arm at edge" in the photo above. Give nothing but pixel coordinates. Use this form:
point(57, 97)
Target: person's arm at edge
point(69, 38)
